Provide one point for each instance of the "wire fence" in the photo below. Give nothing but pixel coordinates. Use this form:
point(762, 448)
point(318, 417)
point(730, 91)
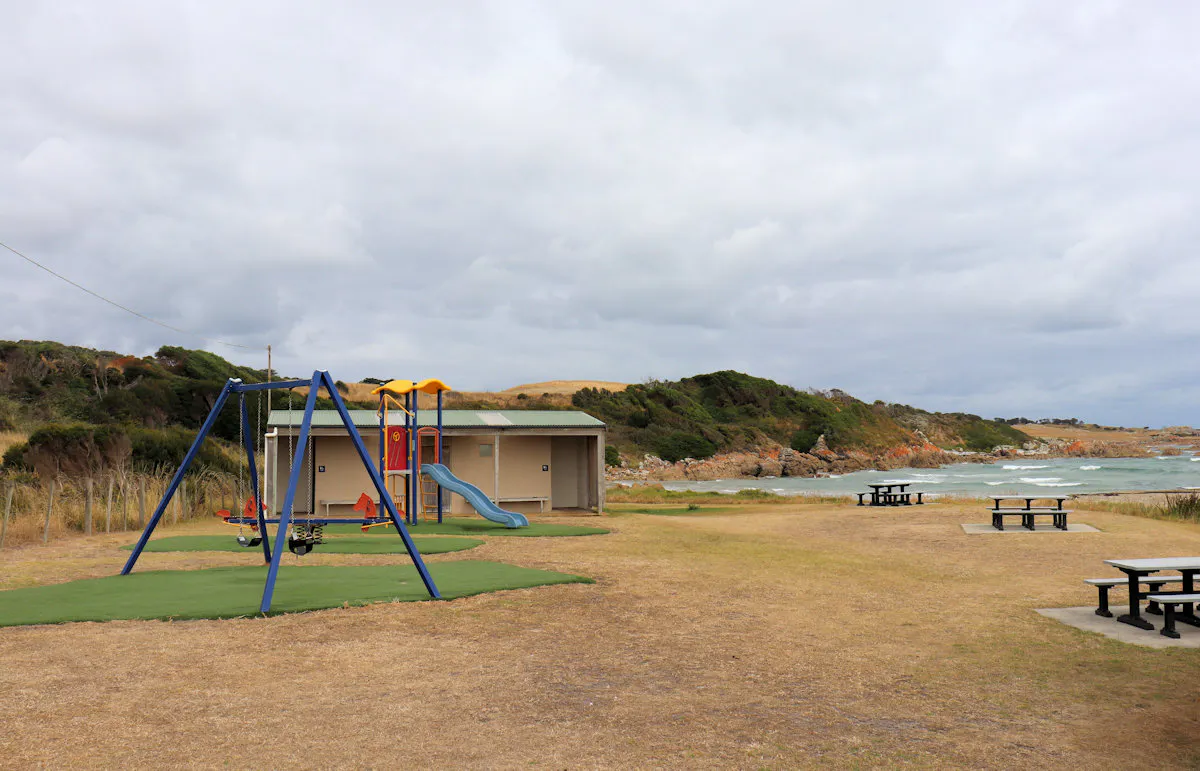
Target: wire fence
point(34, 510)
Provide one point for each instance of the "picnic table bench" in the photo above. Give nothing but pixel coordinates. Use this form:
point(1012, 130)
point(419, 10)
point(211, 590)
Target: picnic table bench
point(882, 495)
point(1137, 570)
point(1028, 513)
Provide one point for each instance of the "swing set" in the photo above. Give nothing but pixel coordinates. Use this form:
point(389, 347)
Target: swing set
point(299, 539)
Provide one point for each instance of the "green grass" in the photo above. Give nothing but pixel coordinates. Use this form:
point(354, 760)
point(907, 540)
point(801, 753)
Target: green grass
point(464, 526)
point(235, 592)
point(344, 545)
point(691, 509)
point(656, 493)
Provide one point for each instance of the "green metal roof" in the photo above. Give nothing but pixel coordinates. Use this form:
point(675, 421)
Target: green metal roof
point(501, 419)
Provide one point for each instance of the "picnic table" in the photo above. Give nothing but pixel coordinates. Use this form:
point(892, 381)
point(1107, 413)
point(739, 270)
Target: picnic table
point(1137, 569)
point(882, 494)
point(1028, 512)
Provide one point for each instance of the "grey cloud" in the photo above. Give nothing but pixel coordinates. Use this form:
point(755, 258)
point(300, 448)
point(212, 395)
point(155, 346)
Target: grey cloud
point(959, 206)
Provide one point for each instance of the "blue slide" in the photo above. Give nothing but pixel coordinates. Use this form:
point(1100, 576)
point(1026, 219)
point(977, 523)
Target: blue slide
point(474, 496)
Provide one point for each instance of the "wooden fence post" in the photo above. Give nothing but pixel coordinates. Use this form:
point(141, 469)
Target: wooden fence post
point(7, 510)
point(141, 503)
point(108, 508)
point(87, 508)
point(49, 511)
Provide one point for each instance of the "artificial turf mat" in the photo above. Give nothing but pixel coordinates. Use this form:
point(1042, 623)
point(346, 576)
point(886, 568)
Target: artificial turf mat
point(464, 526)
point(234, 592)
point(342, 545)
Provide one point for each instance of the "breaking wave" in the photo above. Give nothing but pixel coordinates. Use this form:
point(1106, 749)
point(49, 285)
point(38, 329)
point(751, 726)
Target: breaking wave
point(1021, 467)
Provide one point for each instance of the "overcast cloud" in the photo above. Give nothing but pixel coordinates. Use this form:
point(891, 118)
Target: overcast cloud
point(988, 207)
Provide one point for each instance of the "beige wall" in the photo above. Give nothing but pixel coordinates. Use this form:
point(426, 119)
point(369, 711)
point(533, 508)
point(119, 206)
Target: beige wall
point(462, 452)
point(521, 461)
point(344, 477)
point(521, 475)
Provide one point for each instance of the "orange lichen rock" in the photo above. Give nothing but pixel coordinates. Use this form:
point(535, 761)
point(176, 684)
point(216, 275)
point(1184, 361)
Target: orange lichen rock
point(1075, 447)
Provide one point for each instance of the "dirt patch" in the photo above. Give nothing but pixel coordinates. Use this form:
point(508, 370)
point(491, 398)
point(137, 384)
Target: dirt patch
point(771, 636)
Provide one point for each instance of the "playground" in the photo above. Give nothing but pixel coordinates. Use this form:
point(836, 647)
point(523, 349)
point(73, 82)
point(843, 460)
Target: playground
point(758, 636)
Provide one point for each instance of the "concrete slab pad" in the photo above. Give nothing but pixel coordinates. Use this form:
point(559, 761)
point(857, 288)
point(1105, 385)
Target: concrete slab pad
point(981, 529)
point(1087, 620)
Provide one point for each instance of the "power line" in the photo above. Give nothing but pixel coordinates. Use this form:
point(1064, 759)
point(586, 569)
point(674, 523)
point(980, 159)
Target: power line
point(141, 316)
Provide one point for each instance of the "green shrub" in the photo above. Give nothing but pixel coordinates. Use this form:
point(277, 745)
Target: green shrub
point(611, 456)
point(679, 445)
point(1185, 506)
point(804, 439)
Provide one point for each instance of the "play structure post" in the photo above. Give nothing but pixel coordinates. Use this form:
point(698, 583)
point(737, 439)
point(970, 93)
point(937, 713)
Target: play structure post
point(248, 441)
point(410, 422)
point(183, 467)
point(382, 440)
point(439, 452)
point(378, 481)
point(289, 498)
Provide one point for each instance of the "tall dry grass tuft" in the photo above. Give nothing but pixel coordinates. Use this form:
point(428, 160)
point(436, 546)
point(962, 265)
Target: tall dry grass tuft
point(10, 438)
point(121, 501)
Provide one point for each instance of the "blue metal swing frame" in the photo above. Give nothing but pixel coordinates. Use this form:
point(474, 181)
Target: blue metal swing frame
point(273, 553)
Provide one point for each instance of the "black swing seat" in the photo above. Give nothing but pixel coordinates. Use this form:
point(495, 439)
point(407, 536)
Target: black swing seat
point(300, 546)
point(249, 542)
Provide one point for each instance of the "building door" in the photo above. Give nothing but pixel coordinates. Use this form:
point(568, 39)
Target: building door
point(564, 471)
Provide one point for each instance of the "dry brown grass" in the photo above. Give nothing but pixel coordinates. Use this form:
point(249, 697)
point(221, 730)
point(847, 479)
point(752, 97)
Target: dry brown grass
point(559, 391)
point(201, 496)
point(1049, 431)
point(769, 637)
point(567, 387)
point(9, 438)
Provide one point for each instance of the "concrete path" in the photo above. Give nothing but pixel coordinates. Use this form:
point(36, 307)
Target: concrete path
point(1087, 620)
point(1015, 527)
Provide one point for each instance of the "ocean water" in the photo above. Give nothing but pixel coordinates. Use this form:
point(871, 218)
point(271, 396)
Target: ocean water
point(1053, 476)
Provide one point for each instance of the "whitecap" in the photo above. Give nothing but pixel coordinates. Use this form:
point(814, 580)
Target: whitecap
point(1194, 458)
point(1040, 480)
point(1021, 467)
point(1058, 484)
point(993, 484)
point(1088, 468)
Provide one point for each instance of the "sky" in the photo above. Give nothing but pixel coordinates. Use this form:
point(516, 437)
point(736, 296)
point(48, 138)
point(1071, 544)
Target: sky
point(980, 207)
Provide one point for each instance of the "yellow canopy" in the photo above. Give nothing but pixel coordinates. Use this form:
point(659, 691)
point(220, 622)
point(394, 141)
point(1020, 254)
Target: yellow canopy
point(401, 387)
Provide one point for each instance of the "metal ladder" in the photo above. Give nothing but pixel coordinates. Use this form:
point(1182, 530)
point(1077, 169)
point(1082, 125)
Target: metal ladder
point(429, 496)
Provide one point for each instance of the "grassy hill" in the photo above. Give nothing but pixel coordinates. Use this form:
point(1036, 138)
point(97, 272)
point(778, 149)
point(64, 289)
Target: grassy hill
point(723, 411)
point(84, 410)
point(87, 410)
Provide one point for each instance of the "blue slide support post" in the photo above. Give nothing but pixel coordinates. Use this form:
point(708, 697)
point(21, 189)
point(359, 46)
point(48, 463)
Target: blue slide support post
point(183, 467)
point(248, 442)
point(285, 517)
point(379, 485)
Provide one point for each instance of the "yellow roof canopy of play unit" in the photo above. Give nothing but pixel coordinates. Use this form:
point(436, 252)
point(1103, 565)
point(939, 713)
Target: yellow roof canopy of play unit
point(401, 387)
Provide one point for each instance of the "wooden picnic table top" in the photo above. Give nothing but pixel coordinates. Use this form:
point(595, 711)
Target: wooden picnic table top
point(1157, 563)
point(890, 485)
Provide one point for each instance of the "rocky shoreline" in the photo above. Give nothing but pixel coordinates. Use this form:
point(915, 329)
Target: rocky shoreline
point(779, 461)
